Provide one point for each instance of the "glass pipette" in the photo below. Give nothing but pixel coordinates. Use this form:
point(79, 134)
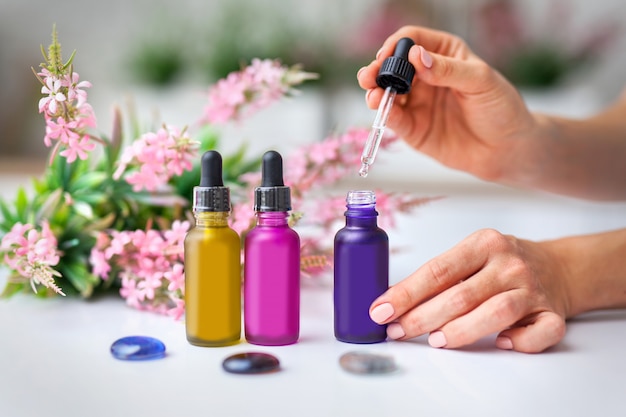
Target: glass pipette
point(376, 134)
point(395, 76)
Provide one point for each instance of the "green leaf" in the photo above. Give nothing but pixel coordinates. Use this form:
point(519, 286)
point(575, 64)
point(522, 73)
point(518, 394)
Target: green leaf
point(80, 278)
point(7, 216)
point(69, 244)
point(113, 150)
point(100, 223)
point(11, 289)
point(88, 181)
point(49, 206)
point(21, 202)
point(208, 139)
point(92, 198)
point(40, 186)
point(235, 159)
point(83, 209)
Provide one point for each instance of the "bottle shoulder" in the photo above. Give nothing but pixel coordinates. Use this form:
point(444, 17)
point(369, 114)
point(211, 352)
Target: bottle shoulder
point(269, 233)
point(212, 233)
point(361, 234)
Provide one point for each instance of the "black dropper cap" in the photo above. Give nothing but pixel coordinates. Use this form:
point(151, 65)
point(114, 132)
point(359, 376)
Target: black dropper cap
point(397, 72)
point(211, 195)
point(272, 195)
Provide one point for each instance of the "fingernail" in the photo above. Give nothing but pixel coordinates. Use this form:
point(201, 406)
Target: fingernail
point(503, 342)
point(360, 71)
point(368, 93)
point(379, 52)
point(382, 312)
point(394, 331)
point(425, 57)
point(437, 339)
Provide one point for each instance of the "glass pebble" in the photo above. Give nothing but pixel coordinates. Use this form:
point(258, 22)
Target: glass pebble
point(251, 363)
point(138, 348)
point(367, 363)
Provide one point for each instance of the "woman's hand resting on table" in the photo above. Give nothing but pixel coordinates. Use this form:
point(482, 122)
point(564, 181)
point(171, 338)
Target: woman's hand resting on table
point(492, 283)
point(487, 283)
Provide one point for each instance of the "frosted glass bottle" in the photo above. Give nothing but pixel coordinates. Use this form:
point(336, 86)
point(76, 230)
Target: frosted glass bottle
point(212, 263)
point(272, 264)
point(361, 270)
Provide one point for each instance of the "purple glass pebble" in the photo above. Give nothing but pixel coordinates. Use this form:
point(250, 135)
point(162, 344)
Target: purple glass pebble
point(137, 348)
point(251, 363)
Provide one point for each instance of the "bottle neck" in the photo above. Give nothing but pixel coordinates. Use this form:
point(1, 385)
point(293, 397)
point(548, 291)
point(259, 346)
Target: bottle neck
point(272, 218)
point(361, 216)
point(212, 218)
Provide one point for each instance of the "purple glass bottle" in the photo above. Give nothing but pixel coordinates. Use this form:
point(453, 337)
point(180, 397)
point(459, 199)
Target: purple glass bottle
point(272, 263)
point(361, 270)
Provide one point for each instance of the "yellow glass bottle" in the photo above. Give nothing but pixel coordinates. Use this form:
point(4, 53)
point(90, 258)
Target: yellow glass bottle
point(212, 263)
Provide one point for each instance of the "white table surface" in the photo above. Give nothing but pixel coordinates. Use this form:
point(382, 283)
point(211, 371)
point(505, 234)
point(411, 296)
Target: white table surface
point(55, 360)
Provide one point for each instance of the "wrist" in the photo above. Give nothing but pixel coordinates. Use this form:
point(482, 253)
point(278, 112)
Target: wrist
point(531, 157)
point(590, 270)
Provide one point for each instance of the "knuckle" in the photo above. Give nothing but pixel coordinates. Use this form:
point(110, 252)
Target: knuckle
point(483, 71)
point(507, 309)
point(519, 268)
point(556, 327)
point(402, 296)
point(440, 272)
point(493, 239)
point(461, 302)
point(456, 44)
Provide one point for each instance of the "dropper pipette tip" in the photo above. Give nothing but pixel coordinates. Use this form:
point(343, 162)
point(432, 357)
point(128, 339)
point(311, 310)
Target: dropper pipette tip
point(364, 170)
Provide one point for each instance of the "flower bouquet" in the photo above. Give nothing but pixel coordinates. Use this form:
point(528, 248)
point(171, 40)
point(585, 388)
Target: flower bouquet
point(111, 213)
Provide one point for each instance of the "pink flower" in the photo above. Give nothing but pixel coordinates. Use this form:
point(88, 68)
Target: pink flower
point(178, 311)
point(151, 262)
point(149, 284)
point(61, 130)
point(100, 264)
point(117, 244)
point(242, 218)
point(176, 235)
point(74, 88)
point(155, 157)
point(77, 147)
point(130, 292)
point(86, 117)
point(32, 254)
point(50, 104)
point(176, 278)
point(244, 92)
point(67, 114)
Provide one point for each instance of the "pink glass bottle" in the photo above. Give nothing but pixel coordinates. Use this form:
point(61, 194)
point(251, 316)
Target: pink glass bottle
point(272, 263)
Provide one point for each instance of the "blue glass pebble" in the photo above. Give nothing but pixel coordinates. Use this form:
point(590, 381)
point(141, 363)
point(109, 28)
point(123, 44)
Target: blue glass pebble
point(251, 363)
point(138, 348)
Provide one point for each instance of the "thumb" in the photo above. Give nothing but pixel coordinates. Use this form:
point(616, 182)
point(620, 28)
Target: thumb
point(547, 330)
point(468, 74)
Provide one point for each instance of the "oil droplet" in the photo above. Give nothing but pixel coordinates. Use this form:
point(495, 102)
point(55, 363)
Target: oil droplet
point(364, 170)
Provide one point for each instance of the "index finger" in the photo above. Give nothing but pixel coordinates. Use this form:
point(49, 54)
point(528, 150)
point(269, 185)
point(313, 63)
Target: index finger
point(437, 41)
point(435, 276)
point(428, 38)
